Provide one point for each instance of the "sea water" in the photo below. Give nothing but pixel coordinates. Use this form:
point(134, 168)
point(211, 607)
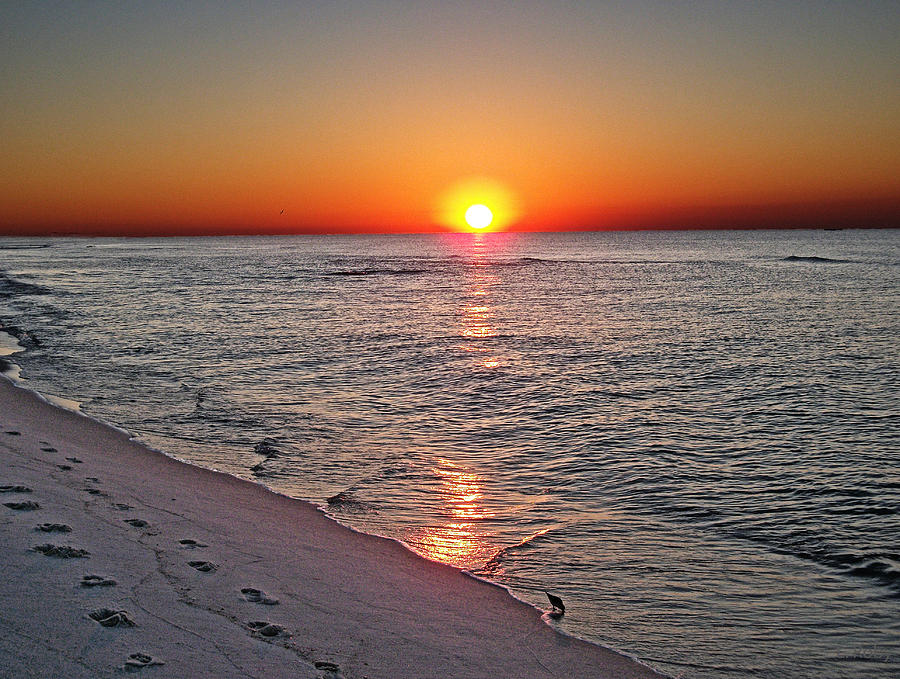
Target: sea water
point(691, 437)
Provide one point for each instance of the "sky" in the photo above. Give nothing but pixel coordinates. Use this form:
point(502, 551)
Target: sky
point(379, 116)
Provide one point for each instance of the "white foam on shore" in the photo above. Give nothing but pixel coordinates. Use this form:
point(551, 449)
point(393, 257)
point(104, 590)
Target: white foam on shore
point(9, 345)
point(14, 374)
point(64, 403)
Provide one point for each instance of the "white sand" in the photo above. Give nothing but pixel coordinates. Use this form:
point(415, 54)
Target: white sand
point(365, 604)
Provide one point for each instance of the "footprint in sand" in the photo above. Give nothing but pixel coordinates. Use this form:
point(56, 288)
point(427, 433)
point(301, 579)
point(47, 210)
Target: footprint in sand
point(49, 449)
point(97, 581)
point(110, 618)
point(62, 551)
point(74, 460)
point(95, 491)
point(15, 489)
point(27, 506)
point(54, 528)
point(137, 523)
point(92, 479)
point(187, 543)
point(14, 433)
point(266, 629)
point(138, 661)
point(326, 666)
point(64, 467)
point(122, 506)
point(257, 596)
point(203, 566)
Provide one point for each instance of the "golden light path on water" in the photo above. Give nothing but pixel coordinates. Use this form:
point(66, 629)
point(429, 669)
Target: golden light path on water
point(457, 541)
point(477, 312)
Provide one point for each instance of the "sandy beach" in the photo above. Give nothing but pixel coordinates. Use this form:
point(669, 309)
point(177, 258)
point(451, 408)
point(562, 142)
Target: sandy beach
point(120, 559)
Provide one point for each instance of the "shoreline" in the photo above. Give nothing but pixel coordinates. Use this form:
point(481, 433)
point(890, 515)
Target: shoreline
point(349, 604)
point(13, 375)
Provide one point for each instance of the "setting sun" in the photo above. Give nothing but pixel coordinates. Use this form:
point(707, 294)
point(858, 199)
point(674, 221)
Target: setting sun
point(477, 203)
point(479, 216)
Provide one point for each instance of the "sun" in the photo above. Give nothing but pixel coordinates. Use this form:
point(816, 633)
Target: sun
point(479, 216)
point(478, 204)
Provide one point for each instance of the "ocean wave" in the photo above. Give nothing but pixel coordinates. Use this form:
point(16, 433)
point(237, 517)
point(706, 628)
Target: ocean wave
point(10, 286)
point(878, 567)
point(346, 501)
point(824, 260)
point(138, 351)
point(867, 658)
point(24, 246)
point(493, 564)
point(526, 261)
point(267, 448)
point(376, 272)
point(25, 338)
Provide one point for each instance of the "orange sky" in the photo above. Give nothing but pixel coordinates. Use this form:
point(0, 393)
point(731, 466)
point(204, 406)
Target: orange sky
point(174, 118)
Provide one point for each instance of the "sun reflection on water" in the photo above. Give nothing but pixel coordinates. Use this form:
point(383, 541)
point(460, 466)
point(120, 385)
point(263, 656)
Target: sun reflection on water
point(477, 313)
point(458, 542)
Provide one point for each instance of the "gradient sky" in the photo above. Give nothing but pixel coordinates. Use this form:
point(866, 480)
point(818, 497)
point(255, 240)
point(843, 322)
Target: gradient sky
point(194, 117)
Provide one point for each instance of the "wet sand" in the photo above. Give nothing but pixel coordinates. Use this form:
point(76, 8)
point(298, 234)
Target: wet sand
point(120, 559)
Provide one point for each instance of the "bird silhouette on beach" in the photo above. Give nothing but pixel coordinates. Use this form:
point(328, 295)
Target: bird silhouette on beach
point(559, 608)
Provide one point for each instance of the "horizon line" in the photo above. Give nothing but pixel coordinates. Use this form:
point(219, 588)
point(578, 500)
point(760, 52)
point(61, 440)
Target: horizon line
point(248, 233)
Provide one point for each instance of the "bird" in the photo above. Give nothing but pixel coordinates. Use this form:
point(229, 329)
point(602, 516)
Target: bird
point(282, 211)
point(559, 609)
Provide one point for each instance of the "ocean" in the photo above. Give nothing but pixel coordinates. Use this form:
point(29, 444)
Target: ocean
point(691, 437)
